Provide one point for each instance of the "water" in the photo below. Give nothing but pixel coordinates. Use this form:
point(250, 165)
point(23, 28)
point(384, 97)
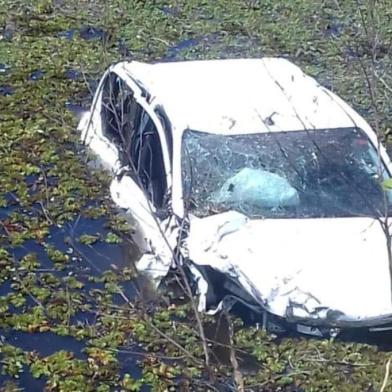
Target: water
point(4, 69)
point(86, 261)
point(72, 74)
point(83, 103)
point(334, 28)
point(8, 34)
point(174, 50)
point(44, 343)
point(67, 34)
point(196, 47)
point(75, 109)
point(36, 75)
point(382, 340)
point(170, 11)
point(92, 84)
point(6, 90)
point(26, 380)
point(31, 246)
point(90, 33)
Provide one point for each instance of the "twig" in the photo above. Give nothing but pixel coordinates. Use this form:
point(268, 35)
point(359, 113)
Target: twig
point(198, 319)
point(46, 185)
point(371, 78)
point(5, 228)
point(45, 212)
point(147, 318)
point(342, 363)
point(386, 376)
point(145, 354)
point(25, 288)
point(238, 377)
point(383, 82)
point(277, 377)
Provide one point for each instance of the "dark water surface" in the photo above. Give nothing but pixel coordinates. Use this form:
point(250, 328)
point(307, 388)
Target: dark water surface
point(86, 261)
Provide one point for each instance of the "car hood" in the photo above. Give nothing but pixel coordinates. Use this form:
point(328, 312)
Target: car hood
point(314, 269)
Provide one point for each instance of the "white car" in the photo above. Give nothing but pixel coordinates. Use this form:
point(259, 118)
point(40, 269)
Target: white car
point(266, 185)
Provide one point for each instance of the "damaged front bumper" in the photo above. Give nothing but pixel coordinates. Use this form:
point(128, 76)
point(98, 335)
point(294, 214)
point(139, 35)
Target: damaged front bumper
point(235, 265)
point(218, 292)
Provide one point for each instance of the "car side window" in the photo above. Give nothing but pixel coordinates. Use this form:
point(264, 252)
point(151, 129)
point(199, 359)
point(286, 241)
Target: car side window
point(127, 125)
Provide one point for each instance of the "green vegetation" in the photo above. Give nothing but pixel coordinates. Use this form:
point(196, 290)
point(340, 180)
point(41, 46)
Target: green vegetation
point(65, 257)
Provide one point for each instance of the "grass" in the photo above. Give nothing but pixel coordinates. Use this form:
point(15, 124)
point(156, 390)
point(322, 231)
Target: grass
point(62, 259)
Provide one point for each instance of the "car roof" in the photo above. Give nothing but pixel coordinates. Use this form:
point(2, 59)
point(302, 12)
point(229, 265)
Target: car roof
point(240, 96)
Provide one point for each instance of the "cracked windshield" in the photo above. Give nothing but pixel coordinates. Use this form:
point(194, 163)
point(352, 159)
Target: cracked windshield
point(298, 174)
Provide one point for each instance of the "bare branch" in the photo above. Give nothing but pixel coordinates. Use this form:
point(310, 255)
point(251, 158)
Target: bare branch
point(386, 376)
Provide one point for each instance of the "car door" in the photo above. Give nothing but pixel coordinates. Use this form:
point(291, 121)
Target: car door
point(142, 183)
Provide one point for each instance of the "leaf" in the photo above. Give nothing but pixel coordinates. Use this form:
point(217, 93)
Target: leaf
point(387, 184)
point(87, 239)
point(112, 238)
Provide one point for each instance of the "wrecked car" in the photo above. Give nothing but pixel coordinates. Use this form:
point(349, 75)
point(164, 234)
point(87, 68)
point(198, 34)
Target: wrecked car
point(267, 186)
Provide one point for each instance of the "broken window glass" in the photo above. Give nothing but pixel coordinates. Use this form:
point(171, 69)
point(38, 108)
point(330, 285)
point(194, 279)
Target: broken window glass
point(127, 125)
point(298, 174)
point(150, 163)
point(121, 116)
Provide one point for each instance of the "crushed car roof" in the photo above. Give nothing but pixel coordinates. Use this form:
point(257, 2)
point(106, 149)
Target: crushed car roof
point(240, 96)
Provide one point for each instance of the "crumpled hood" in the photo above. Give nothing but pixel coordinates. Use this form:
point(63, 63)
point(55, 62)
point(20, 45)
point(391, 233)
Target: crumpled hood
point(305, 268)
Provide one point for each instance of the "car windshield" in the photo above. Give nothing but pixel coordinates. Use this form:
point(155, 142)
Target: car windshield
point(298, 174)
